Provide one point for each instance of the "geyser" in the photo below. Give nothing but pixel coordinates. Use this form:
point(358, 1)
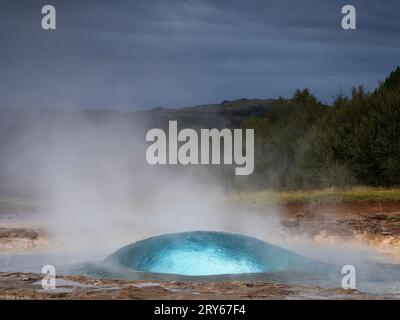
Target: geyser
point(207, 253)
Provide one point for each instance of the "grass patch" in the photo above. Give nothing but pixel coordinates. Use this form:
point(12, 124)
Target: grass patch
point(323, 196)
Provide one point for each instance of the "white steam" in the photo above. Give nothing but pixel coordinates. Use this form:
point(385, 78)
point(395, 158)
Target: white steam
point(99, 192)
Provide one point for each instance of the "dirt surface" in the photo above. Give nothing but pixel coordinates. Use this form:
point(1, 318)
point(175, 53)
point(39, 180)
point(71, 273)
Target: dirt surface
point(14, 239)
point(374, 223)
point(21, 233)
point(371, 223)
point(28, 286)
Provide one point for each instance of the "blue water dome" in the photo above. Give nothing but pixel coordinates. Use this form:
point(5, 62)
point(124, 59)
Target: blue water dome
point(203, 253)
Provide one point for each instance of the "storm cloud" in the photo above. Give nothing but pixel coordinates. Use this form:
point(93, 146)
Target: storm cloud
point(141, 54)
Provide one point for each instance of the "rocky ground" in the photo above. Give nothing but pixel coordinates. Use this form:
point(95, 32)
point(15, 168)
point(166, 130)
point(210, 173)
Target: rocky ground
point(373, 223)
point(28, 286)
point(20, 238)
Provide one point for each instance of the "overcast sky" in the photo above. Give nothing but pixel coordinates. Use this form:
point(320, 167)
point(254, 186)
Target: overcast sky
point(145, 53)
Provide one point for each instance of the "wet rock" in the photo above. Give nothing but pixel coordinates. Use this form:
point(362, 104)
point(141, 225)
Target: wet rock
point(376, 216)
point(394, 218)
point(290, 223)
point(10, 233)
point(14, 286)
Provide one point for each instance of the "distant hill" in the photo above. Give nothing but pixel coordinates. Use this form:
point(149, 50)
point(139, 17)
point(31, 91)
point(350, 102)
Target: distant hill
point(22, 129)
point(225, 114)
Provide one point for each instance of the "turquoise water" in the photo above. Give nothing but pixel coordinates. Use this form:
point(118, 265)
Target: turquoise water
point(207, 253)
point(214, 256)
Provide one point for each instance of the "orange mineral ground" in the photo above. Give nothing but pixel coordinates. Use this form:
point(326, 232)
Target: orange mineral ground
point(362, 230)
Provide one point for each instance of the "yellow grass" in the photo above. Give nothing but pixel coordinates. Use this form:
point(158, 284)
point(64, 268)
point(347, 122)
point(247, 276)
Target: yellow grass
point(324, 196)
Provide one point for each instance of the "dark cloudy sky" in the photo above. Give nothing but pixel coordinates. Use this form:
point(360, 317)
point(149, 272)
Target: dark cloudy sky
point(145, 53)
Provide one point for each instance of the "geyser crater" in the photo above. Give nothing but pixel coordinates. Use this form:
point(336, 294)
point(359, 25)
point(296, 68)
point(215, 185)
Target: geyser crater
point(204, 253)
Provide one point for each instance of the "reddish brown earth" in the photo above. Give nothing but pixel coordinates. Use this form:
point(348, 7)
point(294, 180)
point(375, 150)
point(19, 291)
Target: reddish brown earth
point(27, 286)
point(15, 233)
point(371, 223)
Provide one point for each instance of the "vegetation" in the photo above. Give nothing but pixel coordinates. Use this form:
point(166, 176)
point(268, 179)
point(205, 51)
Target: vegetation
point(304, 144)
point(322, 196)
